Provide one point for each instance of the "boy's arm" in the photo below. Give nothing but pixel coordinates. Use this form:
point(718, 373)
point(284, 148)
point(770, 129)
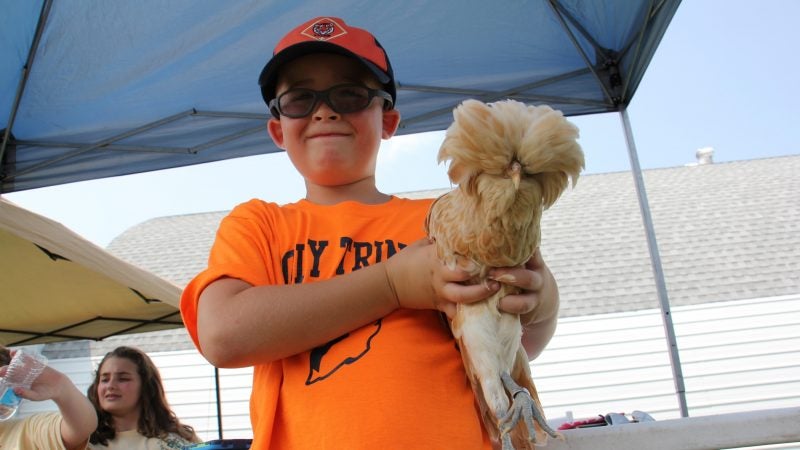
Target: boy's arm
point(239, 324)
point(79, 418)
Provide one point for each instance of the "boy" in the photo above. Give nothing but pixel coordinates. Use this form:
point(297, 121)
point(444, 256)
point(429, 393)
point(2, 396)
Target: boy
point(49, 431)
point(336, 299)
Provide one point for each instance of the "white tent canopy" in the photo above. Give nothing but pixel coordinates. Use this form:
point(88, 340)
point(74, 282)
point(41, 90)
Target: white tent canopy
point(55, 286)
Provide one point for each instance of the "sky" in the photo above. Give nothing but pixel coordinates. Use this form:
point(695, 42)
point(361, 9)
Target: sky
point(724, 76)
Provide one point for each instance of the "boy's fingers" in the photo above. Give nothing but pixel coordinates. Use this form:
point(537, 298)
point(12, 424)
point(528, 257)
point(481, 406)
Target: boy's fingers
point(460, 293)
point(449, 309)
point(525, 279)
point(536, 260)
point(463, 270)
point(518, 304)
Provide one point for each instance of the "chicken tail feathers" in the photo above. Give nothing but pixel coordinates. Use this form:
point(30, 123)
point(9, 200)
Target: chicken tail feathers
point(490, 422)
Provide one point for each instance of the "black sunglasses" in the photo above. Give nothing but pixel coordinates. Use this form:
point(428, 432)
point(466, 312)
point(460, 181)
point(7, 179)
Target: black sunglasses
point(343, 99)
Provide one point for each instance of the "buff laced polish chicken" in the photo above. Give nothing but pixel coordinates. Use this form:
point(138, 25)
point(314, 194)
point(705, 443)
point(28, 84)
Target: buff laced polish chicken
point(510, 161)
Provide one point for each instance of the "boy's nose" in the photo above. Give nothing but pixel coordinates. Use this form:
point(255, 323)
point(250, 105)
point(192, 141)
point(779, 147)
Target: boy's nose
point(324, 111)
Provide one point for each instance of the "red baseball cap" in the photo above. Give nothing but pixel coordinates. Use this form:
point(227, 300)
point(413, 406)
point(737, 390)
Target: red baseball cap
point(328, 35)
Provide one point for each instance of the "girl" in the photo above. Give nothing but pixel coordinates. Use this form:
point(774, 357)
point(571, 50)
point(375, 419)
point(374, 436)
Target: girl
point(132, 409)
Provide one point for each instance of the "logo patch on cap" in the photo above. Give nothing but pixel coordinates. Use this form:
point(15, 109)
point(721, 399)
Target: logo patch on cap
point(324, 30)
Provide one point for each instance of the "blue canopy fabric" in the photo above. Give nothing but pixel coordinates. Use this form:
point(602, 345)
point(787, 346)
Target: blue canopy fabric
point(94, 89)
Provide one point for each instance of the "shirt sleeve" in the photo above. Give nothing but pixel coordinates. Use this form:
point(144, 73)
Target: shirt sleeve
point(241, 250)
point(43, 430)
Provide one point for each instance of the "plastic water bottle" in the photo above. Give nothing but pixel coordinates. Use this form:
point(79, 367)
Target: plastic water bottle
point(23, 370)
point(9, 401)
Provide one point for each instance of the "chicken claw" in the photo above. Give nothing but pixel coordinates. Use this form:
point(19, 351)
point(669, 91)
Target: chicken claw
point(522, 405)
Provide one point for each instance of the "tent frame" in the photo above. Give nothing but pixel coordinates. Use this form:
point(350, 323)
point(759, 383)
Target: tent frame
point(615, 85)
point(655, 262)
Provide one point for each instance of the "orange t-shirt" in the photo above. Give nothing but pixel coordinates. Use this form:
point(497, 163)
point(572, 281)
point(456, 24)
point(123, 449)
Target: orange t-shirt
point(396, 383)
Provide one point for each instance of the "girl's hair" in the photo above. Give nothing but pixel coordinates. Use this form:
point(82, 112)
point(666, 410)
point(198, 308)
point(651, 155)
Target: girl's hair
point(156, 419)
point(5, 356)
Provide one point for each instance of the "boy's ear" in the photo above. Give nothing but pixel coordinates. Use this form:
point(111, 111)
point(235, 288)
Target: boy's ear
point(275, 132)
point(391, 120)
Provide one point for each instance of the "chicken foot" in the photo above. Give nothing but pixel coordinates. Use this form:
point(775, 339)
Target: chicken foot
point(522, 406)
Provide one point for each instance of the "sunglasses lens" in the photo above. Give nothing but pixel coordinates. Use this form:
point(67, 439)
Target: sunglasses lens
point(348, 99)
point(297, 102)
point(344, 99)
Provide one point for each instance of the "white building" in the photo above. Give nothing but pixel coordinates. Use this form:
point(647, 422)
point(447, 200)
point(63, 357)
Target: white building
point(729, 240)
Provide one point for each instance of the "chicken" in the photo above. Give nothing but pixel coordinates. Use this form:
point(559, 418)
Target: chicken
point(510, 162)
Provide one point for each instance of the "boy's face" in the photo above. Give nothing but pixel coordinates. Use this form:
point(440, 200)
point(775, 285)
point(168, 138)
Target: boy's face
point(328, 148)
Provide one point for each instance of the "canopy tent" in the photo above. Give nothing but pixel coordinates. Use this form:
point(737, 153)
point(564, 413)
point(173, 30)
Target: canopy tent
point(58, 286)
point(97, 89)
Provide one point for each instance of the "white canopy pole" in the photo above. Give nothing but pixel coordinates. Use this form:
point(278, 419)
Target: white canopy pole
point(655, 261)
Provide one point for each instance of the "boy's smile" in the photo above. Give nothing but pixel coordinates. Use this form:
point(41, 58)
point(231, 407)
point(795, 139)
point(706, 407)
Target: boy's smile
point(328, 148)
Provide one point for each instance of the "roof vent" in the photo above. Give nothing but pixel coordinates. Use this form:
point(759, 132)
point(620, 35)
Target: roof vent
point(705, 155)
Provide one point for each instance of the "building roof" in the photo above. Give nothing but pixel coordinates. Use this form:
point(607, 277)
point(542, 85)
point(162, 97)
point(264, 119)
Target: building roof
point(725, 231)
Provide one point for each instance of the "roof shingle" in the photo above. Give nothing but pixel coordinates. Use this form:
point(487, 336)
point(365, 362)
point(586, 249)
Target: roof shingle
point(725, 231)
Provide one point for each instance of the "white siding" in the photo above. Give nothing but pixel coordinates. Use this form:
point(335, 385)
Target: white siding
point(736, 356)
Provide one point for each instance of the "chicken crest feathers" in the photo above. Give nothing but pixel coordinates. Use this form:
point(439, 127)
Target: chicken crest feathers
point(488, 137)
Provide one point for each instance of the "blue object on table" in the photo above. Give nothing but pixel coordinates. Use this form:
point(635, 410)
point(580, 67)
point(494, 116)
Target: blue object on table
point(222, 444)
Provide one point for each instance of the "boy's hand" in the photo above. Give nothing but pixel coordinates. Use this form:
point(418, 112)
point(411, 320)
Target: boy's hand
point(420, 281)
point(538, 300)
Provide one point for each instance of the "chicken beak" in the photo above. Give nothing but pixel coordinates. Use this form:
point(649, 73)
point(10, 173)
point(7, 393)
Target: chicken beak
point(515, 172)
